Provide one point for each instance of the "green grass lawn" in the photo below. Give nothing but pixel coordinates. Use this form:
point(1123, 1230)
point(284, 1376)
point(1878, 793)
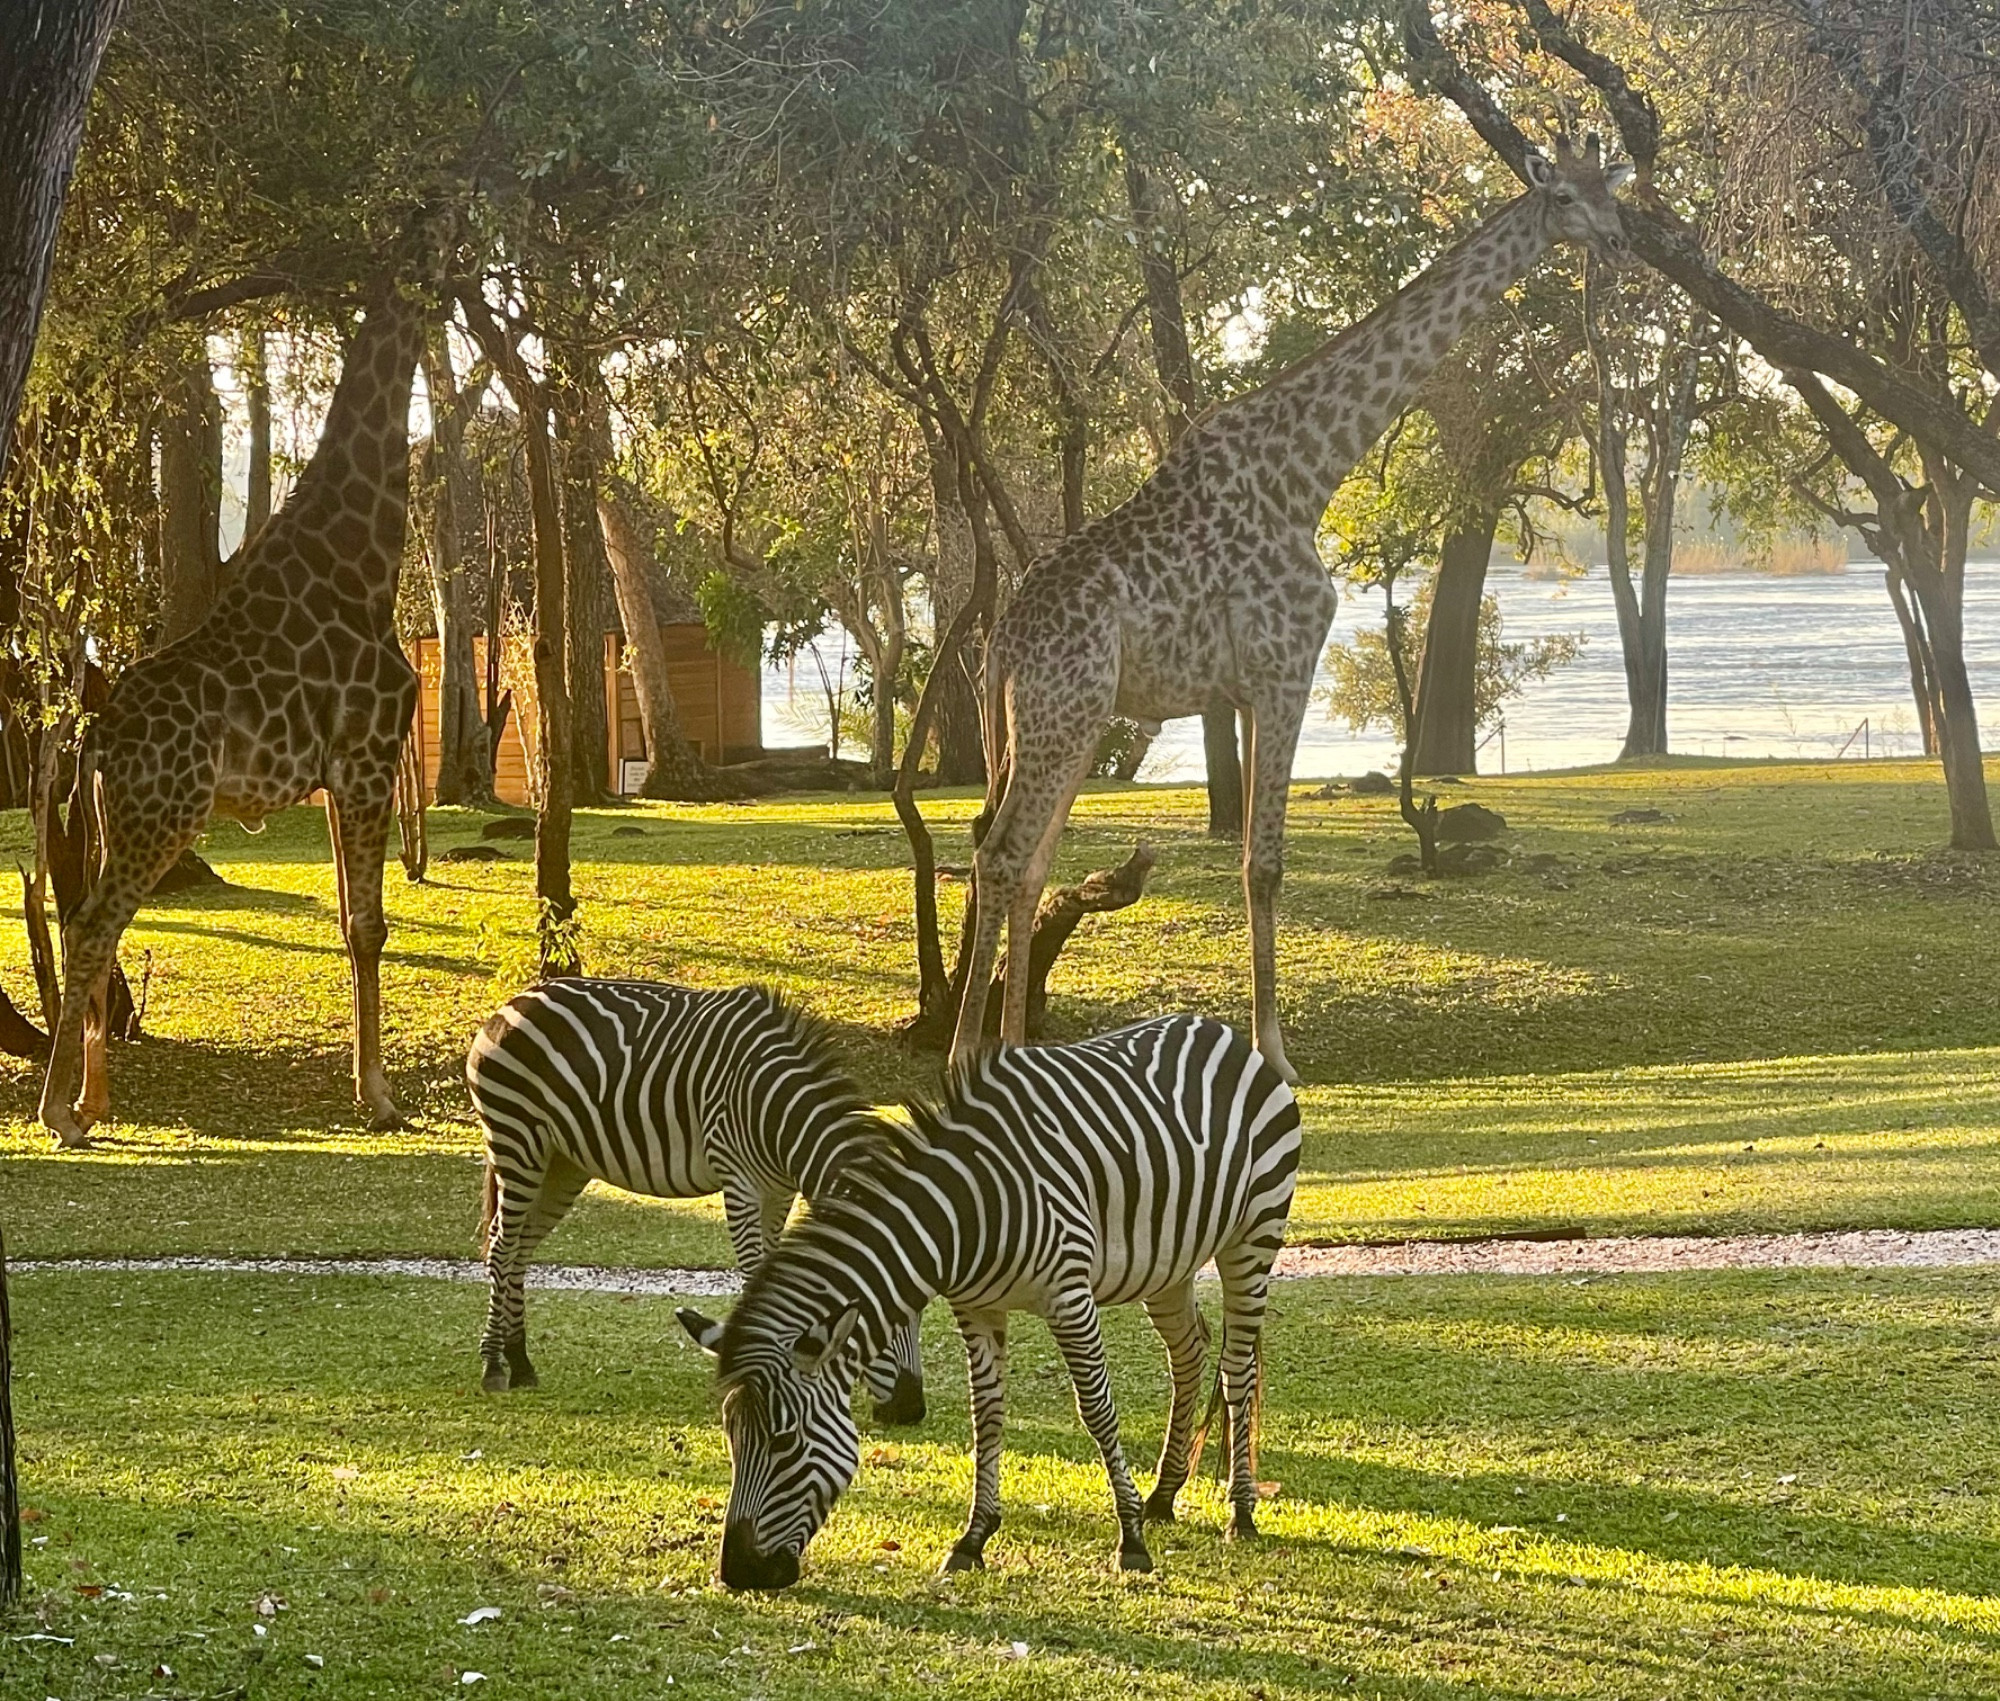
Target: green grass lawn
point(1776, 1010)
point(1788, 965)
point(1650, 1487)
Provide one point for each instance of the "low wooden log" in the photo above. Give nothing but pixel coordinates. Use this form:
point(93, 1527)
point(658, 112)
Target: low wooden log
point(19, 1037)
point(1096, 894)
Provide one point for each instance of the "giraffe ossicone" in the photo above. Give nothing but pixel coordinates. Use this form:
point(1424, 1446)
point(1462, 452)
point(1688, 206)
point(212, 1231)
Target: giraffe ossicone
point(1208, 583)
point(294, 682)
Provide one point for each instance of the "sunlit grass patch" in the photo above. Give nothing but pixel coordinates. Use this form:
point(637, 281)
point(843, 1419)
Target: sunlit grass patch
point(1689, 1486)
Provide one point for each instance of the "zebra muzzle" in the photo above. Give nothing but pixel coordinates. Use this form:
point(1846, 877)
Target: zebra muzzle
point(905, 1403)
point(744, 1567)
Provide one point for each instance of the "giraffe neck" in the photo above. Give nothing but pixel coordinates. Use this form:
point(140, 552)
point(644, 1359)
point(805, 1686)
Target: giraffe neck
point(347, 516)
point(1301, 433)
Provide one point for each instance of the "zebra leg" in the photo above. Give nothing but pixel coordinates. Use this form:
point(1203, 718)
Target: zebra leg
point(1073, 1322)
point(985, 1336)
point(562, 1181)
point(506, 1271)
point(1185, 1331)
point(1246, 1282)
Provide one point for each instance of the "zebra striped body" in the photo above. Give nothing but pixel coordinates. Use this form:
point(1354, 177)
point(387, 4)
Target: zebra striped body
point(1052, 1179)
point(667, 1092)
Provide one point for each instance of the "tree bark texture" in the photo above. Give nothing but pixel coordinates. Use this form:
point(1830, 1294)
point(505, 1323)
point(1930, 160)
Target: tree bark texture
point(1173, 365)
point(1664, 409)
point(1056, 919)
point(465, 752)
point(1923, 533)
point(1917, 652)
point(190, 437)
point(553, 892)
point(257, 397)
point(10, 1481)
point(1446, 733)
point(49, 54)
point(586, 620)
point(673, 768)
point(555, 929)
point(1666, 244)
point(961, 748)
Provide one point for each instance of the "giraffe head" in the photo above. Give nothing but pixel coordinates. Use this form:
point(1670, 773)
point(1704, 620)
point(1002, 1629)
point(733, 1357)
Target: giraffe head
point(1575, 190)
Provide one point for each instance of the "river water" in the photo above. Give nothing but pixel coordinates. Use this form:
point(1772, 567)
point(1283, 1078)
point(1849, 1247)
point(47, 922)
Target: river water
point(1758, 665)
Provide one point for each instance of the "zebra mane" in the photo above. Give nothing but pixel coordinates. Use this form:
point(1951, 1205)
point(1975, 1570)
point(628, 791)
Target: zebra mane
point(812, 1034)
point(884, 1150)
point(868, 1138)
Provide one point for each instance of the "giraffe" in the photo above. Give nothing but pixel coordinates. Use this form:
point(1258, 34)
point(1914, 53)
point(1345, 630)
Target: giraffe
point(1208, 581)
point(294, 681)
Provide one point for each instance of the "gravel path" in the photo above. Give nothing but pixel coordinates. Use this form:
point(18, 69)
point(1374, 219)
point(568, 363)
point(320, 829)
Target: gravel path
point(1879, 1249)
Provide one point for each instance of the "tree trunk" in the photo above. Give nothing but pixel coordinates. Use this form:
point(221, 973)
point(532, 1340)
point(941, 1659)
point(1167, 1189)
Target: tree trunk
point(1939, 584)
point(1446, 735)
point(887, 645)
point(938, 993)
point(10, 1482)
point(465, 753)
point(961, 748)
point(257, 395)
point(49, 54)
point(1917, 651)
point(673, 769)
point(555, 927)
point(1056, 919)
point(587, 620)
point(190, 434)
point(1646, 669)
point(1173, 365)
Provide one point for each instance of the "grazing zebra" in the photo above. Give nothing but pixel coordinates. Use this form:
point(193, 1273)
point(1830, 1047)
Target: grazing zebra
point(671, 1093)
point(1053, 1179)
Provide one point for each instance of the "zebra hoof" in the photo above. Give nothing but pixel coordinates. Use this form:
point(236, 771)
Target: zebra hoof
point(1159, 1508)
point(495, 1381)
point(963, 1558)
point(1135, 1558)
point(904, 1405)
point(1242, 1527)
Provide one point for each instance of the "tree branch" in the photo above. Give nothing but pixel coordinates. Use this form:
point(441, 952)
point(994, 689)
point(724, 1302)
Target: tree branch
point(1661, 239)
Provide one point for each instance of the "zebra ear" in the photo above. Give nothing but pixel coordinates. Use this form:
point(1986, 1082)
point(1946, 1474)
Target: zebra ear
point(816, 1350)
point(705, 1332)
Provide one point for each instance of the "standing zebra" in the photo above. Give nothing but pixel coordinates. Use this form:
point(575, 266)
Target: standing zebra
point(672, 1093)
point(1052, 1179)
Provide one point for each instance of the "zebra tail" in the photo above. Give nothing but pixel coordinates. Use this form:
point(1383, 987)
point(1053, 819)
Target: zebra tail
point(489, 1208)
point(1199, 1444)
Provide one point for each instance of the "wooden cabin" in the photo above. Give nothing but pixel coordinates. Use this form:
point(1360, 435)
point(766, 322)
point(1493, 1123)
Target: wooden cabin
point(720, 703)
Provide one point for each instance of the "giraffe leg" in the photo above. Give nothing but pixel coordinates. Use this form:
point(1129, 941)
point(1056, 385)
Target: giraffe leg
point(999, 868)
point(360, 829)
point(1073, 1322)
point(90, 945)
point(1181, 1325)
point(1274, 737)
point(1021, 914)
point(94, 1102)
